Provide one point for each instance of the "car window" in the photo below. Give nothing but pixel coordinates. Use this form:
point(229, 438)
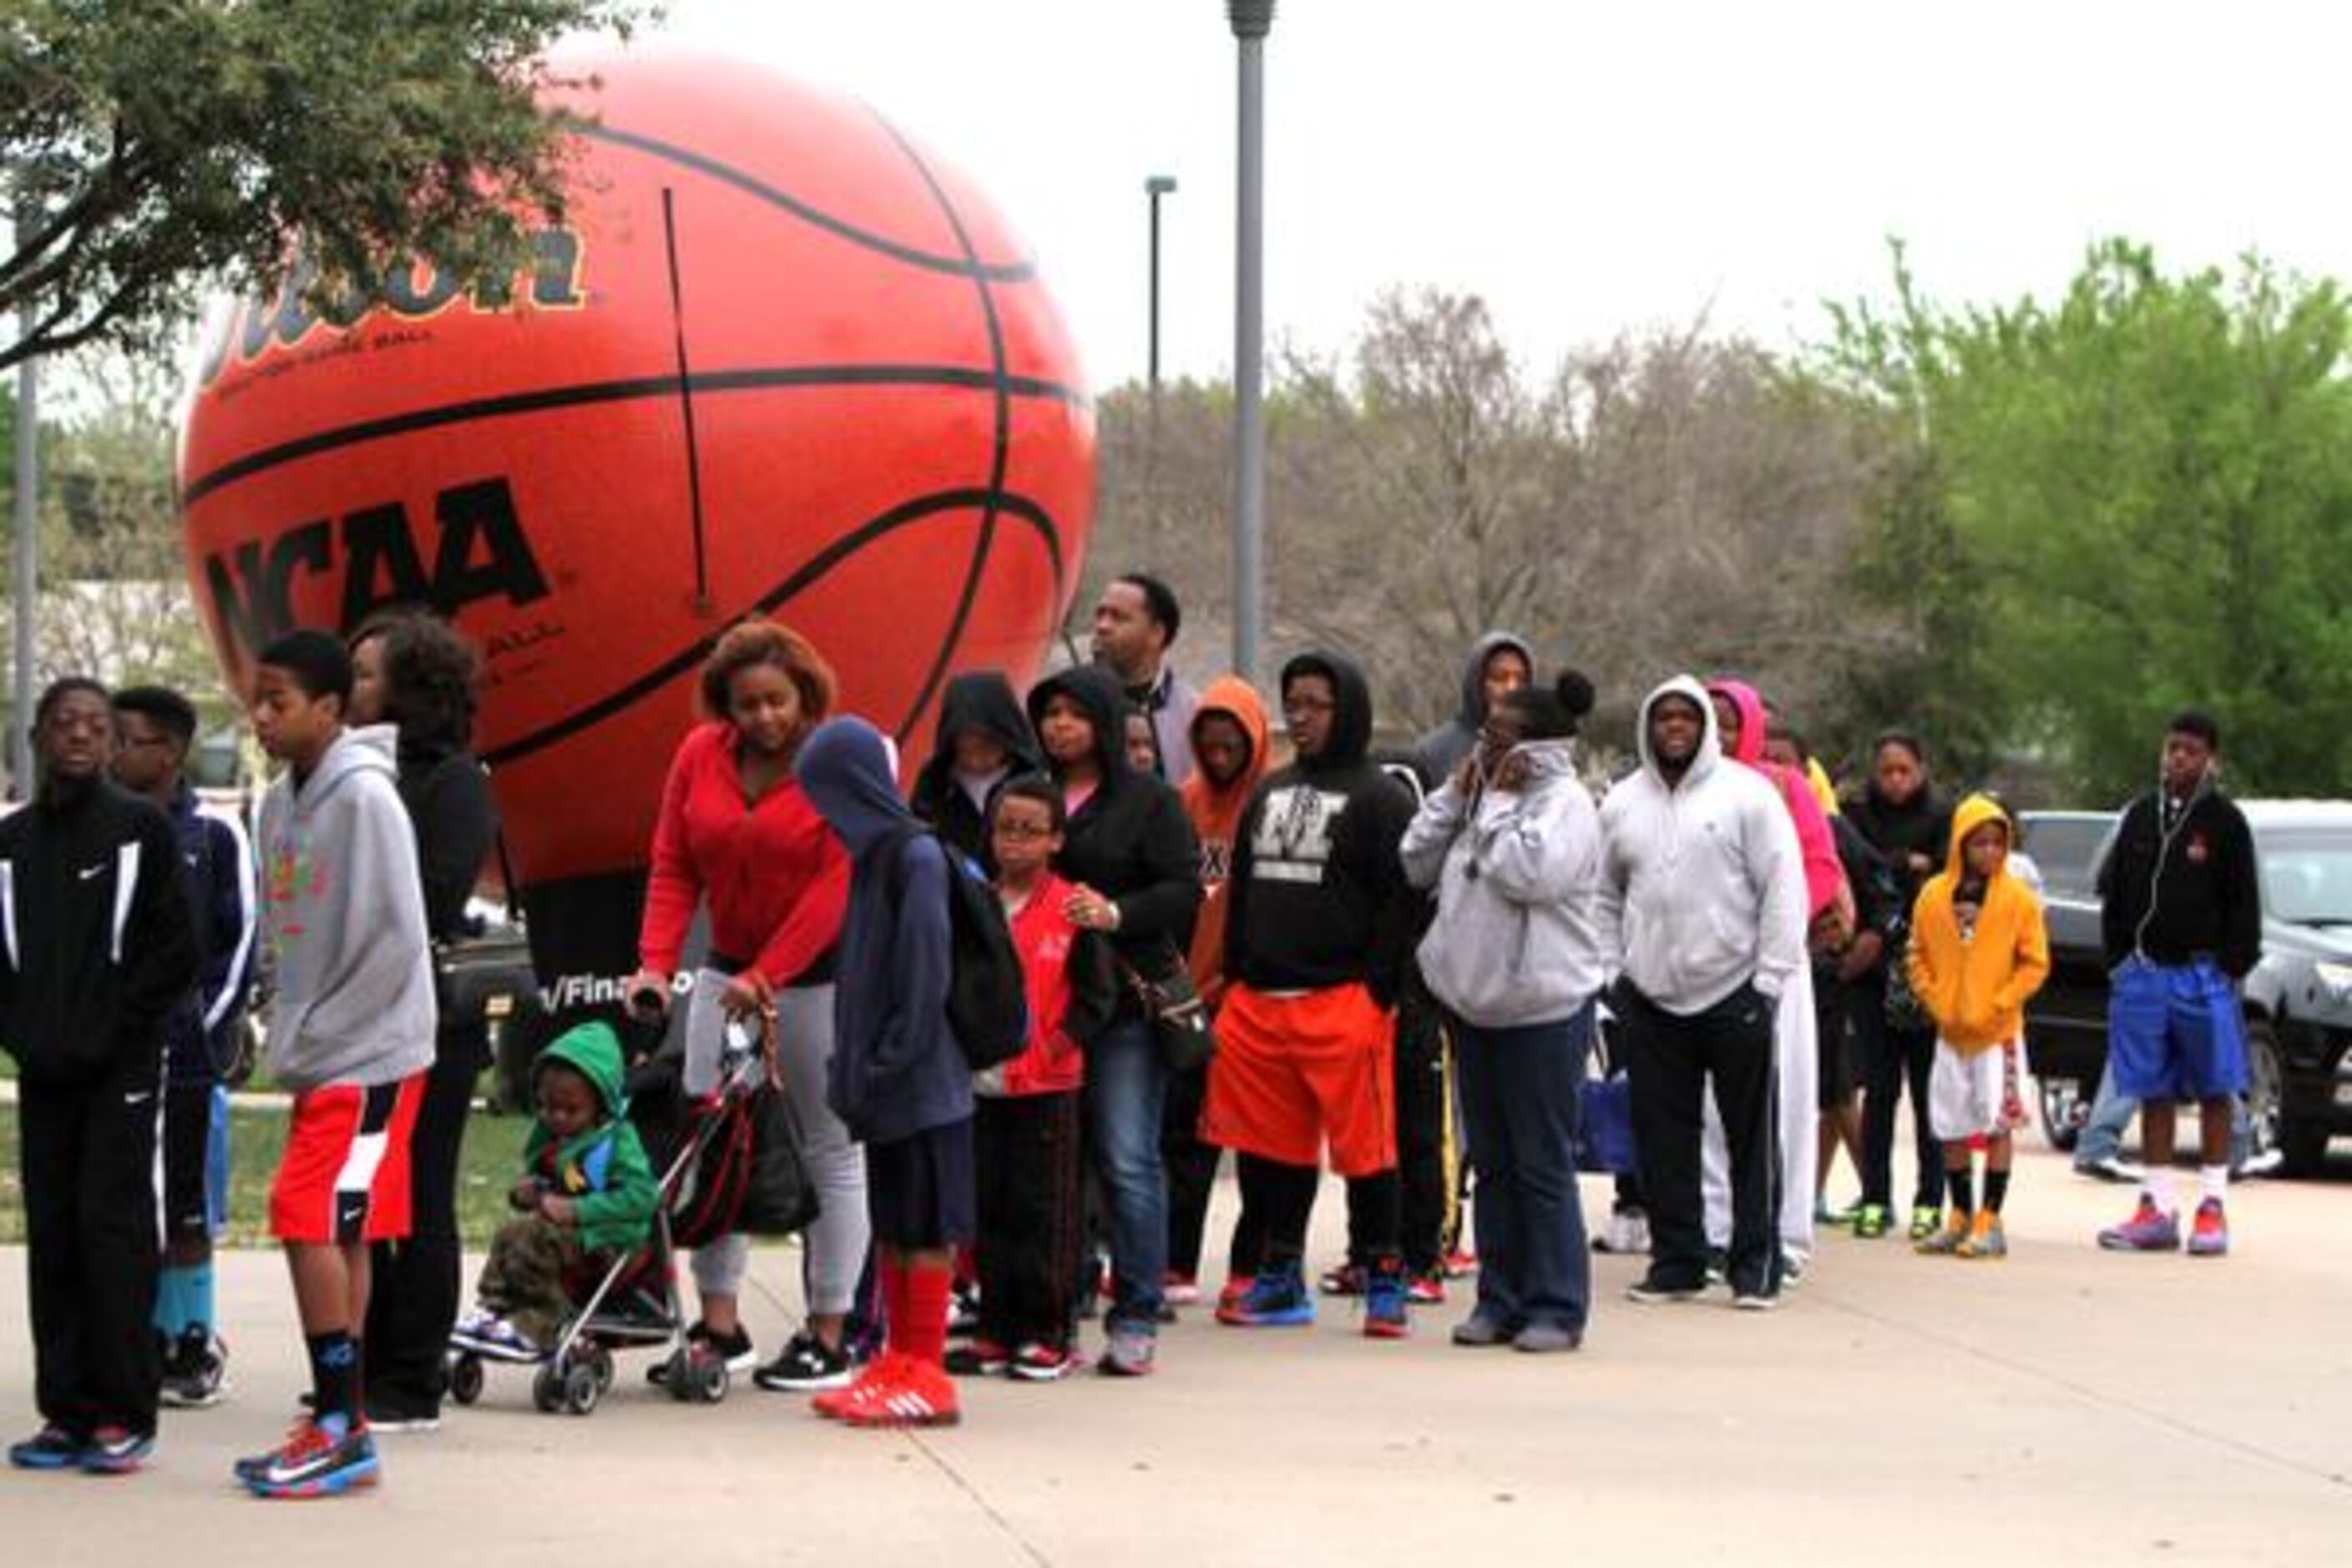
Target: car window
point(2067, 850)
point(2307, 877)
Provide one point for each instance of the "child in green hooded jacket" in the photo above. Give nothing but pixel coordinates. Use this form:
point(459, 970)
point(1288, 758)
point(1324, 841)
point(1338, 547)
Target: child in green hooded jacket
point(587, 1188)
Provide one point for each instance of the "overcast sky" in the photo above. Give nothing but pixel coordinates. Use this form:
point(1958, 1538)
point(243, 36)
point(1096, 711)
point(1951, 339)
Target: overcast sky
point(1592, 168)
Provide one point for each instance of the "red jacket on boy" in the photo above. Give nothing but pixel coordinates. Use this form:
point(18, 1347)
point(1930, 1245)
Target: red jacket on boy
point(1071, 992)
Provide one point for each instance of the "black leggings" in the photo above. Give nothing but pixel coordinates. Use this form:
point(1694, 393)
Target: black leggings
point(1891, 1058)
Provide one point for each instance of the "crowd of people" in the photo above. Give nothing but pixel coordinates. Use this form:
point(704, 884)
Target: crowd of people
point(1408, 961)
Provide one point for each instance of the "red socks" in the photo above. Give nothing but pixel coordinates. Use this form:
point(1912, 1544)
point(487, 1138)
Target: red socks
point(917, 1300)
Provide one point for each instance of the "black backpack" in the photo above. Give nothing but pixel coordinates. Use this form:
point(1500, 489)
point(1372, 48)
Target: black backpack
point(988, 1000)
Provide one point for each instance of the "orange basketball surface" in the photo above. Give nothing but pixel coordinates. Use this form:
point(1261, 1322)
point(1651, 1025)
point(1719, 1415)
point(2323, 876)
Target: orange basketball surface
point(778, 359)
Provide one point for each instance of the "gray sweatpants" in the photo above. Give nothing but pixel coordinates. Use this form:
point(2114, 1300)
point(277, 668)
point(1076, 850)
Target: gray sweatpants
point(836, 1243)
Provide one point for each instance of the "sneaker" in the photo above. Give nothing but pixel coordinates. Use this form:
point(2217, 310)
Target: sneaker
point(2209, 1232)
point(1385, 1313)
point(489, 1334)
point(50, 1448)
point(195, 1374)
point(734, 1348)
point(978, 1357)
point(875, 1379)
point(1628, 1235)
point(1348, 1279)
point(1925, 1218)
point(116, 1451)
point(1236, 1286)
point(1276, 1298)
point(1718, 1265)
point(807, 1364)
point(1985, 1238)
point(1944, 1241)
point(1460, 1263)
point(2267, 1163)
point(1547, 1339)
point(1426, 1290)
point(922, 1394)
point(1793, 1266)
point(385, 1414)
point(1129, 1352)
point(2150, 1229)
point(2110, 1168)
point(1651, 1291)
point(1869, 1221)
point(1753, 1301)
point(1036, 1362)
point(1179, 1290)
point(315, 1460)
point(963, 1311)
point(1481, 1331)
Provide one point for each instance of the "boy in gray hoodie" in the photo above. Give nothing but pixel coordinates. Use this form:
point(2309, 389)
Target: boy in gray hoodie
point(351, 1021)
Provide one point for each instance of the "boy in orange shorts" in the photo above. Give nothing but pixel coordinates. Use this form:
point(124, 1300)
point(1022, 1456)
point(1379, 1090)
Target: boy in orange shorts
point(352, 1017)
point(1319, 926)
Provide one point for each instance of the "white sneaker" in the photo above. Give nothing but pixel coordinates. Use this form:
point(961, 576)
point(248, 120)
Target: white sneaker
point(1628, 1236)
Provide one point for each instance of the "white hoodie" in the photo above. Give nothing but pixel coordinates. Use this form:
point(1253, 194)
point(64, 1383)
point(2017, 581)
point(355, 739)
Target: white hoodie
point(1702, 883)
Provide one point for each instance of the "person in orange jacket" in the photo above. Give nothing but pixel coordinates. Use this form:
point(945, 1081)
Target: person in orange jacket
point(1978, 951)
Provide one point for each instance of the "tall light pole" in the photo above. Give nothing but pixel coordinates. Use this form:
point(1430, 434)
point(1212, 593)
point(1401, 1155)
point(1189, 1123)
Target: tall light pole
point(29, 459)
point(1251, 20)
point(1154, 187)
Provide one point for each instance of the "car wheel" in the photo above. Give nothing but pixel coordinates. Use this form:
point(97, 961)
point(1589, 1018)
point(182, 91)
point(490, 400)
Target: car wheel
point(2265, 1087)
point(2303, 1148)
point(2062, 1111)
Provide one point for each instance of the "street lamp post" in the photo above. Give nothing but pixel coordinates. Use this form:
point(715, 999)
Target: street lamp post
point(1155, 188)
point(28, 448)
point(1251, 20)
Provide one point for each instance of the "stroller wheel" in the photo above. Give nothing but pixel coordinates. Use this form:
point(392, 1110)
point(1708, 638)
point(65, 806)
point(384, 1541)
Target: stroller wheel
point(600, 1361)
point(547, 1388)
point(582, 1389)
point(710, 1380)
point(464, 1377)
point(677, 1376)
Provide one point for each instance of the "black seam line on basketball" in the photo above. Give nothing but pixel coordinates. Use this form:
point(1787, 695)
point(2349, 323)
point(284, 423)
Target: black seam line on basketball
point(686, 397)
point(594, 392)
point(803, 577)
point(998, 458)
point(967, 265)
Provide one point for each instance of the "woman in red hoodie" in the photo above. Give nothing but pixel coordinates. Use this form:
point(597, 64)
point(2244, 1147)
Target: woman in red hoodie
point(736, 835)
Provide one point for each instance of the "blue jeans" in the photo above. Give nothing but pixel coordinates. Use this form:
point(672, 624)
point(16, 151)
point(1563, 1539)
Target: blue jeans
point(1127, 1094)
point(1519, 1089)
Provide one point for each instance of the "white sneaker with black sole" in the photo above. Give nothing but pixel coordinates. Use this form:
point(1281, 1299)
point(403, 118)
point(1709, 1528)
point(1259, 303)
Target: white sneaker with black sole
point(806, 1366)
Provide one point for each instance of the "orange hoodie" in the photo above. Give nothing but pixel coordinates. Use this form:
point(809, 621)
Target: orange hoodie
point(1975, 985)
point(1216, 816)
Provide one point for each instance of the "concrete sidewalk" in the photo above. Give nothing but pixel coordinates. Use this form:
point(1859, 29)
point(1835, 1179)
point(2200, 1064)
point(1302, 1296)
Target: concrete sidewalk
point(2064, 1404)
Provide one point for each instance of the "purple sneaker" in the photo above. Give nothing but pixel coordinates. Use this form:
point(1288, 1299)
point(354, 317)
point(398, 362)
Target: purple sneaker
point(2150, 1229)
point(2208, 1237)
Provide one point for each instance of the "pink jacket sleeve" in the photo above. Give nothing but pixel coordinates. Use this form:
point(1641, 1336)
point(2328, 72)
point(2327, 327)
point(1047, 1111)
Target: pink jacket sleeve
point(1824, 875)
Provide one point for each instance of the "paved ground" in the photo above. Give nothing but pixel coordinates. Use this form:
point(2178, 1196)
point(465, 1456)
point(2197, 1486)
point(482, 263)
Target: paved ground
point(2065, 1405)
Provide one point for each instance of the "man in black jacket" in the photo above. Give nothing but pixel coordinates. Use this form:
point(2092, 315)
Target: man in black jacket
point(97, 951)
point(2181, 916)
point(1318, 934)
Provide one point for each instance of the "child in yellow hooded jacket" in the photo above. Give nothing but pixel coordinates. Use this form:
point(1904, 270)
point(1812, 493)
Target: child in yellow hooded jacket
point(1978, 951)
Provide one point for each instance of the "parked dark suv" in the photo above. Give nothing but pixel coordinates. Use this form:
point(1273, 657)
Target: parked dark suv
point(2298, 998)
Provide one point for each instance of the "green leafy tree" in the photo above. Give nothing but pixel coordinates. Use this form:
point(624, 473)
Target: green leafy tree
point(2132, 499)
point(154, 148)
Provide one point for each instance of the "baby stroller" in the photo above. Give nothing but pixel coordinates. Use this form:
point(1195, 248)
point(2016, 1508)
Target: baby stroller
point(704, 1148)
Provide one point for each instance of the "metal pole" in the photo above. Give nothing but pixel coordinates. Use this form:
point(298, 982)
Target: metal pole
point(1251, 20)
point(28, 458)
point(1153, 187)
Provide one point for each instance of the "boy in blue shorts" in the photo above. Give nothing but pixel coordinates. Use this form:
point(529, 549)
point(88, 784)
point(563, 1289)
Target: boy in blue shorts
point(2181, 915)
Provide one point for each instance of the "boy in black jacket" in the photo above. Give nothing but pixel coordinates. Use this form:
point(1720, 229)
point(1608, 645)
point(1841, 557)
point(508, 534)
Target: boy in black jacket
point(96, 948)
point(2180, 915)
point(1318, 934)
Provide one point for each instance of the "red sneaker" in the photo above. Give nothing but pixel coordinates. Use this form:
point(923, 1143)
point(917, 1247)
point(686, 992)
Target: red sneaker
point(834, 1403)
point(1426, 1290)
point(1235, 1286)
point(922, 1395)
point(1461, 1263)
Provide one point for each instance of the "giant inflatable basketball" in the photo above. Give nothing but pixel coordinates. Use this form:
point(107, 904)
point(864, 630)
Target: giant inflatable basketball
point(779, 359)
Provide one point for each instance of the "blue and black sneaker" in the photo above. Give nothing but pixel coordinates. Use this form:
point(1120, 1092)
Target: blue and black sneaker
point(116, 1451)
point(1385, 1297)
point(1276, 1298)
point(50, 1448)
point(319, 1458)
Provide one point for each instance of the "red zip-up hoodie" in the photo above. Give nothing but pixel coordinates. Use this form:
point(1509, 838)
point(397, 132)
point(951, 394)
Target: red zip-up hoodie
point(1068, 973)
point(775, 877)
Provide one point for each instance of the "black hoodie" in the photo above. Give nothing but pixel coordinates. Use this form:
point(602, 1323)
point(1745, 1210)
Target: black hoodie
point(1131, 840)
point(2181, 883)
point(1319, 896)
point(982, 700)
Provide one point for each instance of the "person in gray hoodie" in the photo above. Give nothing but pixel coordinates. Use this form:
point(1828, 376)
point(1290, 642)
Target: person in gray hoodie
point(1702, 913)
point(351, 1022)
point(1511, 845)
point(1498, 662)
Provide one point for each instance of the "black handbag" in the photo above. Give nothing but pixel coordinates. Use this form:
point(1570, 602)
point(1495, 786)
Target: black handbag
point(485, 976)
point(1181, 1031)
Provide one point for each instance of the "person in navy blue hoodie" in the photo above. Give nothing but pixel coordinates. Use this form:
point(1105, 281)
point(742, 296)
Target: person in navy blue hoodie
point(896, 1077)
point(153, 728)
